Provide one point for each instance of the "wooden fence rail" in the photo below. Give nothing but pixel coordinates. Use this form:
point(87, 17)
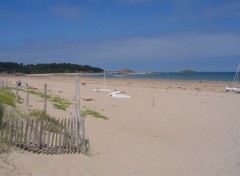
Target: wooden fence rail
point(43, 136)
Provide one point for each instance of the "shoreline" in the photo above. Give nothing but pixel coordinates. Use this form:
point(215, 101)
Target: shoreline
point(88, 75)
point(124, 83)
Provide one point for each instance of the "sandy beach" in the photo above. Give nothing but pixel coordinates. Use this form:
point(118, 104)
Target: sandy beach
point(167, 127)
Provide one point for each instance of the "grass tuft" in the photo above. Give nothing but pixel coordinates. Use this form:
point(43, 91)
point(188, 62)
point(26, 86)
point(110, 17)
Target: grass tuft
point(60, 103)
point(53, 124)
point(94, 114)
point(38, 93)
point(1, 114)
point(39, 114)
point(7, 97)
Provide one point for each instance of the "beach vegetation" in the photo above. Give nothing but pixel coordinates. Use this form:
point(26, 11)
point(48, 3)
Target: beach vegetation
point(93, 114)
point(40, 115)
point(53, 124)
point(38, 93)
point(60, 103)
point(1, 114)
point(7, 97)
point(4, 146)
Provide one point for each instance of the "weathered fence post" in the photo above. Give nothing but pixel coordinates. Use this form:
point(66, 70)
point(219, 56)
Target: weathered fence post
point(40, 137)
point(21, 134)
point(29, 139)
point(80, 119)
point(35, 137)
point(57, 131)
point(49, 134)
point(72, 138)
point(17, 92)
point(65, 135)
point(25, 135)
point(52, 140)
point(27, 96)
point(11, 126)
point(68, 136)
point(44, 136)
point(45, 98)
point(60, 137)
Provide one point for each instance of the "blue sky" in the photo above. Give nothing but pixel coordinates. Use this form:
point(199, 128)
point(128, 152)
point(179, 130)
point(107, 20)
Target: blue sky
point(142, 35)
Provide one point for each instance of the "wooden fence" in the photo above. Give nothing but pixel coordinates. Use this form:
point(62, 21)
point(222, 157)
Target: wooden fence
point(49, 136)
point(43, 136)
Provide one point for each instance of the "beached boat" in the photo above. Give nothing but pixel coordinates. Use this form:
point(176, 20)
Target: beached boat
point(235, 84)
point(105, 85)
point(117, 94)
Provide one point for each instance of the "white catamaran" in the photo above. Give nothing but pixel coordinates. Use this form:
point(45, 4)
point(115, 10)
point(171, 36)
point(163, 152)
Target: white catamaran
point(117, 94)
point(235, 84)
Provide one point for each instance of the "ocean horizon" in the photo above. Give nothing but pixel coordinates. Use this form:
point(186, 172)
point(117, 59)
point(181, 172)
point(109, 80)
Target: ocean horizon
point(198, 76)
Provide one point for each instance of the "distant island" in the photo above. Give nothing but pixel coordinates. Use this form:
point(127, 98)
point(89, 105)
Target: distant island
point(15, 68)
point(188, 71)
point(123, 71)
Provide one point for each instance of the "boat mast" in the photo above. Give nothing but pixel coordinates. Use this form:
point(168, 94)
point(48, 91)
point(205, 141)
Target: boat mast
point(235, 80)
point(105, 84)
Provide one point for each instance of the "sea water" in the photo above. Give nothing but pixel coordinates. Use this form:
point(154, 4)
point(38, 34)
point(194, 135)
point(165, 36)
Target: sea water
point(200, 76)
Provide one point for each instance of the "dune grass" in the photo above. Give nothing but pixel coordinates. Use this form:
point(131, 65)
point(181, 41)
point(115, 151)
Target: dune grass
point(7, 97)
point(94, 114)
point(53, 124)
point(3, 145)
point(38, 93)
point(1, 113)
point(58, 102)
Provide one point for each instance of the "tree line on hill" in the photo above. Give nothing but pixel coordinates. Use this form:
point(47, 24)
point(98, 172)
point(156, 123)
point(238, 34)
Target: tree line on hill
point(15, 68)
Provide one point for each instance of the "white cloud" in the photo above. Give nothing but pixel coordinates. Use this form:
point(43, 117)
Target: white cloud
point(191, 47)
point(166, 48)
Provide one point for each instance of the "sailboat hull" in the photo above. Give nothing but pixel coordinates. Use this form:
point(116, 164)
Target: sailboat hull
point(102, 90)
point(117, 94)
point(235, 89)
point(229, 88)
